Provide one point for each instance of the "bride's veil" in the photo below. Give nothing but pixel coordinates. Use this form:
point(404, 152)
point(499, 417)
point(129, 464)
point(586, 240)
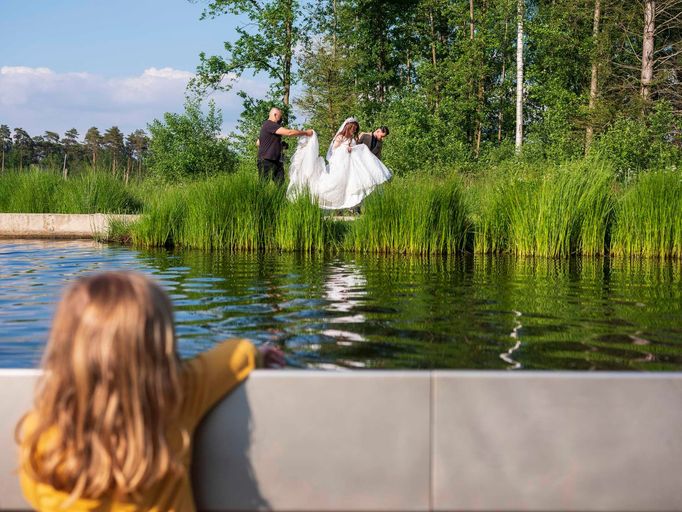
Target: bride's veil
point(343, 125)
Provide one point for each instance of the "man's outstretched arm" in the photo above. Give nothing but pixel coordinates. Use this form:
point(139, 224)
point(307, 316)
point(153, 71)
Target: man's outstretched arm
point(288, 132)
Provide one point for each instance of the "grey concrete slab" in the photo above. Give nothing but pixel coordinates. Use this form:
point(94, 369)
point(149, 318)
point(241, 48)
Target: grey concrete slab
point(16, 397)
point(298, 440)
point(57, 225)
point(557, 441)
point(302, 440)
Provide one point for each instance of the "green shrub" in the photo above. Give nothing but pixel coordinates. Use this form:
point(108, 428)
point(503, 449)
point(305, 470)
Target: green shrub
point(187, 144)
point(632, 146)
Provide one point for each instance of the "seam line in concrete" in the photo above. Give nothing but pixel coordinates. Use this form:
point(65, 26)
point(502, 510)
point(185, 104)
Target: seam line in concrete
point(432, 427)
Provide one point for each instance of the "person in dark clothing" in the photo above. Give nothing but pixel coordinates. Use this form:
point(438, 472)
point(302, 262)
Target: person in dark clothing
point(270, 164)
point(374, 140)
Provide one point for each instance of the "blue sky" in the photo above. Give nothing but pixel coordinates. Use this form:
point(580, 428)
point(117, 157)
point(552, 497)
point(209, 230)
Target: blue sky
point(79, 63)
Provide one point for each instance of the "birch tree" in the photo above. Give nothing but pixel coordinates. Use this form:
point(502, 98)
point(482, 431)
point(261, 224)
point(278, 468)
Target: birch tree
point(594, 80)
point(519, 75)
point(648, 49)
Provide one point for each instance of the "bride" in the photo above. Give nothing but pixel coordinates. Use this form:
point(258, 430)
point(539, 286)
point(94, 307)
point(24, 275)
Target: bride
point(350, 176)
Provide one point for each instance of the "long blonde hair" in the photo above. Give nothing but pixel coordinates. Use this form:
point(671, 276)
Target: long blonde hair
point(110, 390)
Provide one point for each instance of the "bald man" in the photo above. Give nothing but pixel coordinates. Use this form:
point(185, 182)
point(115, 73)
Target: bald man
point(270, 164)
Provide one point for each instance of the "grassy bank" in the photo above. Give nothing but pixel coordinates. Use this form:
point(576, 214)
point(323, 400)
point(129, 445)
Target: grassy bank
point(412, 216)
point(648, 219)
point(574, 209)
point(232, 212)
point(38, 191)
point(562, 211)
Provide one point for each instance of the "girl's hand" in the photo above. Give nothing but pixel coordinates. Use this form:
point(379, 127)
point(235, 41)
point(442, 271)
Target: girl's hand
point(349, 149)
point(271, 356)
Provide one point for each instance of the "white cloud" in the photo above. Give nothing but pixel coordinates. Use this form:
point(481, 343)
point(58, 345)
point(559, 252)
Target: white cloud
point(39, 99)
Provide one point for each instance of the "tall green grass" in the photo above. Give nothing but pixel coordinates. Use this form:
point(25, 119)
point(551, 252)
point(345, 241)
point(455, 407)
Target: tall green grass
point(232, 212)
point(489, 217)
point(37, 191)
point(554, 214)
point(162, 220)
point(303, 226)
point(648, 219)
point(574, 209)
point(412, 217)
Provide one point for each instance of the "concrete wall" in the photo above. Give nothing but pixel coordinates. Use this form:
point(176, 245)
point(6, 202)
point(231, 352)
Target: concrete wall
point(443, 440)
point(57, 225)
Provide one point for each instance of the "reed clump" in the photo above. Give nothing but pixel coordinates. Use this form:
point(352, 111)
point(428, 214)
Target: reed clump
point(234, 212)
point(648, 220)
point(489, 215)
point(303, 226)
point(557, 213)
point(409, 216)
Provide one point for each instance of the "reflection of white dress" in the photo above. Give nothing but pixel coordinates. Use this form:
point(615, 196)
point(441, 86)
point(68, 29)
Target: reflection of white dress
point(342, 183)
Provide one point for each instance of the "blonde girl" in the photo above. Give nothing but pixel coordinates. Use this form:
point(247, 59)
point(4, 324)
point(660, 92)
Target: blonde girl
point(115, 409)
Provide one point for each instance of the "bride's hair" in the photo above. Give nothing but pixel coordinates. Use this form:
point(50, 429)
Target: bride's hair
point(346, 133)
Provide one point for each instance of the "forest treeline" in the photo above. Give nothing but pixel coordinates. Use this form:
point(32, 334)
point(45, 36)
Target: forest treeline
point(461, 80)
point(111, 150)
point(460, 83)
point(178, 146)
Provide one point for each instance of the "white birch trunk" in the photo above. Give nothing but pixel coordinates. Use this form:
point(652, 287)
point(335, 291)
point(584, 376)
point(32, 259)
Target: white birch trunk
point(519, 75)
point(594, 81)
point(648, 48)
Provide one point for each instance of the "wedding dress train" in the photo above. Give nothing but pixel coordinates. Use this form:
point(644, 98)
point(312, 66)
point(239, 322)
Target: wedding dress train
point(344, 182)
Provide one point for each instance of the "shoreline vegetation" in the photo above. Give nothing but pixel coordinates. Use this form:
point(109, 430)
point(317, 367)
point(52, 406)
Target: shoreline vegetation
point(555, 211)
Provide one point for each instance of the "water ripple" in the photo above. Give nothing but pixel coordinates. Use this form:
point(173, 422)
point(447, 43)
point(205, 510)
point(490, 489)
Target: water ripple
point(375, 312)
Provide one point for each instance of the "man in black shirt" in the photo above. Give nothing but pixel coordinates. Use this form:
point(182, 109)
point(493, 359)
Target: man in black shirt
point(270, 164)
point(374, 140)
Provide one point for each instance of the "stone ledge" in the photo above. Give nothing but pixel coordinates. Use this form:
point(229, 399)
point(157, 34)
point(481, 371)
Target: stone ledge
point(420, 440)
point(57, 225)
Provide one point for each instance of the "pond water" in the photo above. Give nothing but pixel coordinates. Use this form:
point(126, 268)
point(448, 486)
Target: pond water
point(348, 311)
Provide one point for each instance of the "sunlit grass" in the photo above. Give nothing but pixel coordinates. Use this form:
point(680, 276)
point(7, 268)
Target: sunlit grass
point(38, 191)
point(563, 211)
point(549, 211)
point(412, 217)
point(648, 219)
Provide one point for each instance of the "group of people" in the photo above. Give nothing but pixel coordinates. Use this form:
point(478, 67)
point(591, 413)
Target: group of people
point(352, 169)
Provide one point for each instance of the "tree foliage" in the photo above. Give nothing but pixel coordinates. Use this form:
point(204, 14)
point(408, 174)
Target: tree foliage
point(442, 74)
point(264, 46)
point(188, 144)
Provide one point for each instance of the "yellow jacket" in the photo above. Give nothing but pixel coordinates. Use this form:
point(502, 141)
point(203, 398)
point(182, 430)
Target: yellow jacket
point(205, 379)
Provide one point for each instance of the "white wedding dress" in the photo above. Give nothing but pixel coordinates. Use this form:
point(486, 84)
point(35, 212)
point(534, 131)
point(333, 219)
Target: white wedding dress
point(344, 182)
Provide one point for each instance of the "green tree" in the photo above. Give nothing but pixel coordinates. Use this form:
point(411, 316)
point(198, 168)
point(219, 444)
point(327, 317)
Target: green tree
point(24, 145)
point(187, 144)
point(327, 97)
point(114, 144)
point(49, 150)
point(137, 144)
point(72, 149)
point(265, 45)
point(5, 143)
point(93, 142)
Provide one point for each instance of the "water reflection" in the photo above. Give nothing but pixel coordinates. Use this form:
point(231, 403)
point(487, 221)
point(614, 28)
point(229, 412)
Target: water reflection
point(377, 312)
point(508, 356)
